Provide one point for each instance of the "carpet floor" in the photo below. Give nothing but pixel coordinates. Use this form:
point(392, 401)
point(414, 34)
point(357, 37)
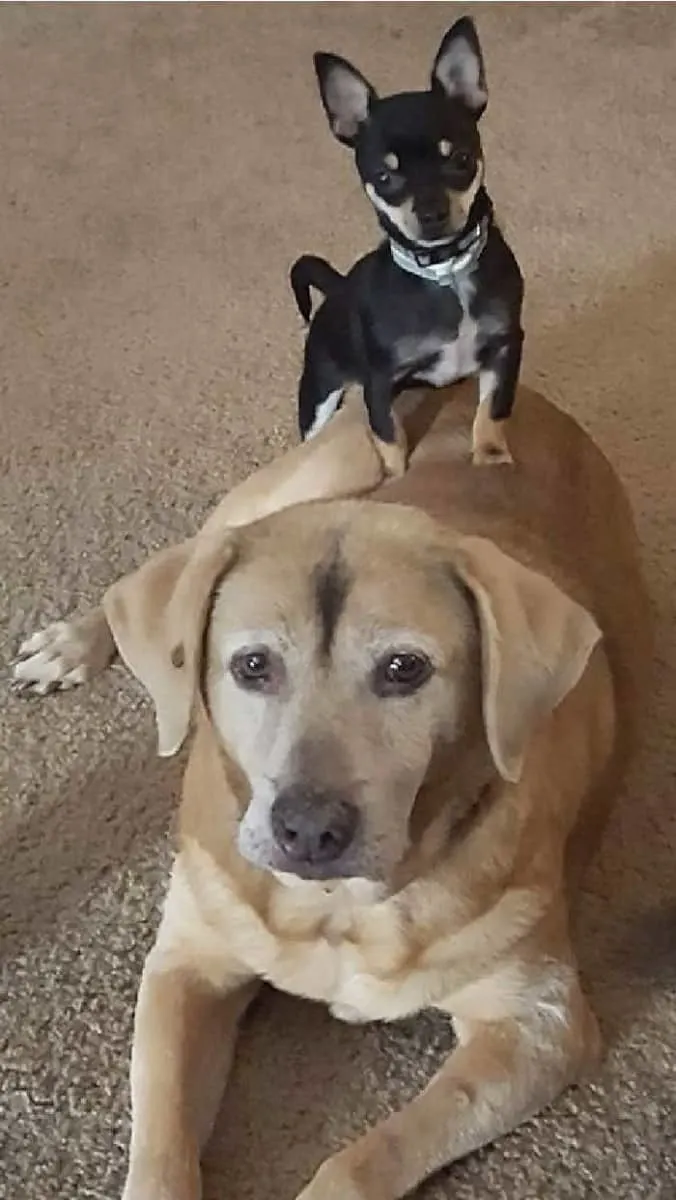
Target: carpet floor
point(163, 164)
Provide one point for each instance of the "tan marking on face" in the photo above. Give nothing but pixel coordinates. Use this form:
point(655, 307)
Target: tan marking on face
point(461, 202)
point(445, 147)
point(391, 161)
point(401, 216)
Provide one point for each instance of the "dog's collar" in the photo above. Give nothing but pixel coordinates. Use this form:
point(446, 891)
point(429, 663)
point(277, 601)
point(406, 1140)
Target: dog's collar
point(459, 257)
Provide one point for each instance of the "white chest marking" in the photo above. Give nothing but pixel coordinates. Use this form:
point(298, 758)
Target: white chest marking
point(457, 359)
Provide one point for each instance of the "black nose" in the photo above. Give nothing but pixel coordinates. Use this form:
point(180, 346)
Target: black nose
point(313, 826)
point(433, 211)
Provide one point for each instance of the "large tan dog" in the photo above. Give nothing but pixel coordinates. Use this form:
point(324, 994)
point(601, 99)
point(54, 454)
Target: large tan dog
point(412, 712)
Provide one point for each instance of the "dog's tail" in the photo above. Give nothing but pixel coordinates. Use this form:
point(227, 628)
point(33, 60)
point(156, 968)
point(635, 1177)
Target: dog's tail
point(310, 271)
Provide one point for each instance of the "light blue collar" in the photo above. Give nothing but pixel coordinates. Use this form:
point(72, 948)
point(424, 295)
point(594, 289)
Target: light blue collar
point(463, 257)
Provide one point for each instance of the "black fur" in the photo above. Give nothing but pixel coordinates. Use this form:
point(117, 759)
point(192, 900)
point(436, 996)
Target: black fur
point(381, 326)
point(310, 271)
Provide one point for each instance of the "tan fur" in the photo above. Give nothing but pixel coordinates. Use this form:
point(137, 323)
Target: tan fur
point(461, 202)
point(489, 439)
point(525, 583)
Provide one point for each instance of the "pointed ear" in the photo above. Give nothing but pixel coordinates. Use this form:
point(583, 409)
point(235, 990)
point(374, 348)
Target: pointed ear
point(535, 645)
point(158, 618)
point(459, 67)
point(347, 97)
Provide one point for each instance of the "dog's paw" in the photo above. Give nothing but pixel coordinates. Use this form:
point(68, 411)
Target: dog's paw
point(169, 1176)
point(491, 454)
point(351, 1016)
point(393, 456)
point(64, 655)
point(333, 1182)
point(489, 440)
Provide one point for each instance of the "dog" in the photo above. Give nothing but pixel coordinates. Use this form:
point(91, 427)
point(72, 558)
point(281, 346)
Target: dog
point(413, 710)
point(441, 297)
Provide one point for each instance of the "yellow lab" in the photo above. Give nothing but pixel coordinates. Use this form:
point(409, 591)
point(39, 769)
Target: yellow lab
point(412, 711)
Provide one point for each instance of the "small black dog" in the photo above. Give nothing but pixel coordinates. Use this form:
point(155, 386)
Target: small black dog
point(440, 299)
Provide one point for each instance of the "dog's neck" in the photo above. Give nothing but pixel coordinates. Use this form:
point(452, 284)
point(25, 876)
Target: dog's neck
point(447, 262)
point(458, 258)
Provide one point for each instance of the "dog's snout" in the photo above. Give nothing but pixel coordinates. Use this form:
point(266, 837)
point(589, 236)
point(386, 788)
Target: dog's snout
point(313, 826)
point(433, 210)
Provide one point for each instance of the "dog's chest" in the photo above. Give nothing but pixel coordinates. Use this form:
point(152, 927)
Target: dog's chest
point(344, 950)
point(442, 357)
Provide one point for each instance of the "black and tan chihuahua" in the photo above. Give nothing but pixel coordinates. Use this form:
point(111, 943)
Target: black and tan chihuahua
point(441, 297)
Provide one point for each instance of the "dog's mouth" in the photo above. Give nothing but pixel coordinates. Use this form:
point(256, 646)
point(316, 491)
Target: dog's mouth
point(435, 233)
point(259, 848)
point(290, 871)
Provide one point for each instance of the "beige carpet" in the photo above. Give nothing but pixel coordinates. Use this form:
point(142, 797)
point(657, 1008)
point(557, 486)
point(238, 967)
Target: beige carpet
point(161, 167)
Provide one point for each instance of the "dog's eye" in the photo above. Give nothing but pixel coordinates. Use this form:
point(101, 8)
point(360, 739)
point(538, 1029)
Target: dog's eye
point(253, 669)
point(388, 178)
point(401, 673)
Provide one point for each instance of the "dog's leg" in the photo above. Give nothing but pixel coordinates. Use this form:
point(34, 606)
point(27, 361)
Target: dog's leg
point(64, 654)
point(378, 397)
point(69, 653)
point(504, 1070)
point(185, 1028)
point(320, 392)
point(498, 377)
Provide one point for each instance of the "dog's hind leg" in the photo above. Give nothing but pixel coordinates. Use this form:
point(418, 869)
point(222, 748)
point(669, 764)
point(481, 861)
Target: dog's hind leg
point(324, 411)
point(320, 393)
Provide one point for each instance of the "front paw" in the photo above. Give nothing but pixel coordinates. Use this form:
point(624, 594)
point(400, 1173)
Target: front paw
point(491, 454)
point(156, 1180)
point(489, 440)
point(64, 655)
point(335, 1181)
point(393, 457)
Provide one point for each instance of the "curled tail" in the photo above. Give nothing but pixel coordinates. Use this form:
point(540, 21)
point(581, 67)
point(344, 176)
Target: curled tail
point(309, 271)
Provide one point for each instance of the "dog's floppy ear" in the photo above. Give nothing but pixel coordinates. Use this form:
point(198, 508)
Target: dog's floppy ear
point(535, 645)
point(347, 97)
point(158, 616)
point(459, 67)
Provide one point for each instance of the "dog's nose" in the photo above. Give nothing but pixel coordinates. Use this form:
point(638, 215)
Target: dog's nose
point(313, 826)
point(433, 211)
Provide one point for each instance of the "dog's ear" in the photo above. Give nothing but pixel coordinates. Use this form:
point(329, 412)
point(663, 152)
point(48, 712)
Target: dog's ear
point(459, 67)
point(535, 645)
point(347, 97)
point(158, 618)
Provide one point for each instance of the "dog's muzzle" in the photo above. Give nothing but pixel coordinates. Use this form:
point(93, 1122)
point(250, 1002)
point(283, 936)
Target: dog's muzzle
point(313, 828)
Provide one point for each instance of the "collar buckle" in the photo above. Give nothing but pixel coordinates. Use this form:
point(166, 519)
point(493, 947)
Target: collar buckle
point(422, 257)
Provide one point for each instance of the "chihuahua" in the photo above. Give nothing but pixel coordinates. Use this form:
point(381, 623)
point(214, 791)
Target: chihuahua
point(441, 297)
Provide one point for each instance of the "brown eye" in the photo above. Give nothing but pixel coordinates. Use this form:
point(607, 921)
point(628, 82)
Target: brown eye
point(388, 177)
point(402, 673)
point(252, 669)
point(389, 182)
